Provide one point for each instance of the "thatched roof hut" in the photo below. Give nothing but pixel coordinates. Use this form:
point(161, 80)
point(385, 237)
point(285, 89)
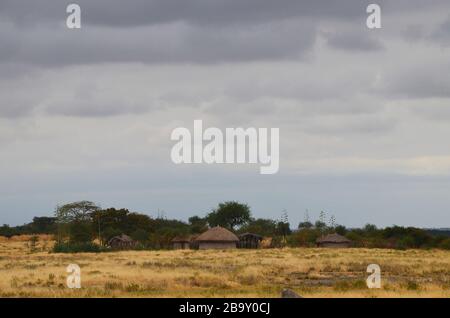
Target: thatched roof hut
point(121, 242)
point(249, 240)
point(217, 238)
point(182, 242)
point(333, 240)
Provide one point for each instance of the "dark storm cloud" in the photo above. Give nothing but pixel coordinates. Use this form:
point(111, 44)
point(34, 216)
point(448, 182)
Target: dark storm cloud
point(173, 31)
point(205, 12)
point(159, 44)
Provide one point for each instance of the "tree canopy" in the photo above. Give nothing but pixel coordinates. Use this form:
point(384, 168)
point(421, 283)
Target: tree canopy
point(230, 214)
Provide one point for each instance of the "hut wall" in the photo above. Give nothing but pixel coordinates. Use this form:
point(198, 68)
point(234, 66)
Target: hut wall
point(216, 245)
point(248, 243)
point(180, 245)
point(121, 245)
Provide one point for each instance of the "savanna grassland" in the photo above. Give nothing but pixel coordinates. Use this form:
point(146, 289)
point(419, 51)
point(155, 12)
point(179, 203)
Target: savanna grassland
point(31, 271)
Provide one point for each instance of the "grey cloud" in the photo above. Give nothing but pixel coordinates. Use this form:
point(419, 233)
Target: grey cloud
point(442, 33)
point(349, 125)
point(354, 41)
point(172, 43)
point(419, 81)
point(13, 108)
point(414, 32)
point(177, 31)
point(210, 12)
point(85, 108)
point(438, 33)
point(201, 12)
point(90, 100)
point(437, 110)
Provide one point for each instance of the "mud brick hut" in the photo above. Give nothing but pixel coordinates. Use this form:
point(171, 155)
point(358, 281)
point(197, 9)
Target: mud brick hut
point(249, 240)
point(182, 242)
point(333, 240)
point(121, 242)
point(216, 238)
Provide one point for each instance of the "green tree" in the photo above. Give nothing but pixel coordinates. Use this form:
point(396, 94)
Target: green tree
point(198, 224)
point(108, 233)
point(75, 217)
point(304, 237)
point(76, 211)
point(121, 221)
point(283, 229)
point(305, 225)
point(263, 227)
point(80, 232)
point(43, 225)
point(230, 215)
point(445, 244)
point(340, 229)
point(140, 236)
point(320, 224)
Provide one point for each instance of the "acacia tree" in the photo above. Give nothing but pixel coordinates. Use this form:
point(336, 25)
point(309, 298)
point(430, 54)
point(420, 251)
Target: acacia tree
point(74, 218)
point(230, 214)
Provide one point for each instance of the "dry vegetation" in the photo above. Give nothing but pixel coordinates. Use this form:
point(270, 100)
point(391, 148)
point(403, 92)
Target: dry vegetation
point(232, 273)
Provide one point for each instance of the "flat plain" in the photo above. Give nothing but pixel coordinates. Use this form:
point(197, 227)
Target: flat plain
point(27, 271)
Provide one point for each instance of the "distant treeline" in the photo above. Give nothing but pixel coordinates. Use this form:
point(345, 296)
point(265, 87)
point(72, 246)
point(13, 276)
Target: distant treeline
point(83, 222)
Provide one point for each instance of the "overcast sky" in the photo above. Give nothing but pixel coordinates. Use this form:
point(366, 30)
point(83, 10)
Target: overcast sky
point(364, 115)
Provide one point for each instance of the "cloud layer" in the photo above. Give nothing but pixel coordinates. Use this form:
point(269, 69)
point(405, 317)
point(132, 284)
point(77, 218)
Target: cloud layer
point(87, 114)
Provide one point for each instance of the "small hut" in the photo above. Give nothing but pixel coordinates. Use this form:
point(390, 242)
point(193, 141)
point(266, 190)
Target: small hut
point(181, 242)
point(333, 240)
point(121, 242)
point(216, 238)
point(249, 240)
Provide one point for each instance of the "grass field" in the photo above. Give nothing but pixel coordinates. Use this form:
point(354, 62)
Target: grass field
point(233, 273)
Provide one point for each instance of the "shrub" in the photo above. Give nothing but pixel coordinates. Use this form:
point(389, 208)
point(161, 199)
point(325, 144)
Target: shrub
point(445, 244)
point(412, 285)
point(140, 236)
point(404, 243)
point(78, 248)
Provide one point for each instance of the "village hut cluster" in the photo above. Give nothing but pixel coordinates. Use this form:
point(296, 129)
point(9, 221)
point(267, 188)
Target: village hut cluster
point(221, 238)
point(217, 238)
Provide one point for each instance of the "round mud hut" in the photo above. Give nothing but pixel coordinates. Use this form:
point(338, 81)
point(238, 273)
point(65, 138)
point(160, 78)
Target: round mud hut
point(217, 238)
point(333, 240)
point(180, 243)
point(121, 242)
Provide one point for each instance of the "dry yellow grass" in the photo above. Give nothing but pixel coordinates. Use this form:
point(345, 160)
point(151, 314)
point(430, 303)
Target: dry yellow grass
point(231, 273)
point(26, 238)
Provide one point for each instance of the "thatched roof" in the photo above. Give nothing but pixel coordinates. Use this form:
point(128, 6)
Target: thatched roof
point(243, 235)
point(122, 238)
point(333, 238)
point(183, 239)
point(217, 234)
